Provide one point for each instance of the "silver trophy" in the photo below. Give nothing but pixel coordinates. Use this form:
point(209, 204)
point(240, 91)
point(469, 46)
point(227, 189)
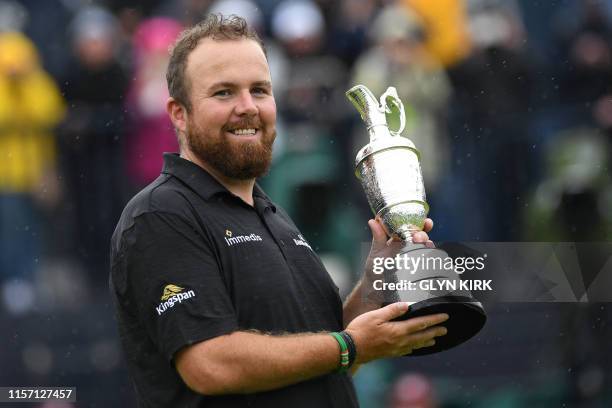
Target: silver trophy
point(389, 169)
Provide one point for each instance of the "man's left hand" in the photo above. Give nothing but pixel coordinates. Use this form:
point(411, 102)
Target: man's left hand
point(385, 247)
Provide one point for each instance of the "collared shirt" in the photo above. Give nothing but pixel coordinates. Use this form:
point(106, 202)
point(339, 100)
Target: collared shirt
point(191, 261)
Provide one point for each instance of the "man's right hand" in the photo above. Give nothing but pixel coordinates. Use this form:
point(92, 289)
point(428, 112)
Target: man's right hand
point(376, 336)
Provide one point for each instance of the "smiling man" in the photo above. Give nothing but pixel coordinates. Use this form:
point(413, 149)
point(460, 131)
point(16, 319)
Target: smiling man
point(219, 301)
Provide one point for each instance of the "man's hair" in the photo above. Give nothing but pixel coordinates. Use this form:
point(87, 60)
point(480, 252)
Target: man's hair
point(215, 26)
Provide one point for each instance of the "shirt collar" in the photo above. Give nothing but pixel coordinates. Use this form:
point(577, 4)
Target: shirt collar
point(192, 175)
point(258, 194)
point(200, 180)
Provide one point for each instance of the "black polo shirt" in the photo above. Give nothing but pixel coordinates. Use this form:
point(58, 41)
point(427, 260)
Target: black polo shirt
point(191, 261)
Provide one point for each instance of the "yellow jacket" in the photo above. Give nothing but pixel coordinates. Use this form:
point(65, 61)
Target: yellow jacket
point(446, 26)
point(30, 107)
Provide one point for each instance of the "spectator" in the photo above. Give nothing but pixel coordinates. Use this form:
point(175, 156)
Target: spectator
point(30, 107)
point(92, 135)
point(149, 130)
point(348, 33)
point(446, 28)
point(576, 185)
point(584, 36)
point(397, 57)
point(493, 89)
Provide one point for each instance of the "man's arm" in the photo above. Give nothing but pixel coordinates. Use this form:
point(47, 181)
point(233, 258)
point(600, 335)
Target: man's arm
point(247, 362)
point(358, 302)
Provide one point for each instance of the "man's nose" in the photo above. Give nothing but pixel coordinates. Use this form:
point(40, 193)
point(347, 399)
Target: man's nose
point(246, 105)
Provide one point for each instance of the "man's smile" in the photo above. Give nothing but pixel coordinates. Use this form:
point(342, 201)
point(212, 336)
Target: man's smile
point(244, 131)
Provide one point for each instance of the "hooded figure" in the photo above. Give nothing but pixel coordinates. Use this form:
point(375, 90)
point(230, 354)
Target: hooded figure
point(30, 107)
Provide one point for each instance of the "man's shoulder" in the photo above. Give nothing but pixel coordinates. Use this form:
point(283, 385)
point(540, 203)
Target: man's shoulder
point(165, 195)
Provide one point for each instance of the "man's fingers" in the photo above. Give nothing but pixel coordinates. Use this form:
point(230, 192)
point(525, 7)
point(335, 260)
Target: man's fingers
point(380, 236)
point(417, 324)
point(427, 343)
point(420, 237)
point(422, 340)
point(391, 311)
point(416, 340)
point(378, 233)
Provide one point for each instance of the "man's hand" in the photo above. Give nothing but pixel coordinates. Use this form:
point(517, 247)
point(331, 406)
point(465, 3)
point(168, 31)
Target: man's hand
point(362, 299)
point(385, 247)
point(379, 236)
point(376, 336)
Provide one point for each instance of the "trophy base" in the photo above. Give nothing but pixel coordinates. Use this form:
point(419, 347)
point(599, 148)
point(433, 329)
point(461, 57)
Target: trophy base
point(466, 319)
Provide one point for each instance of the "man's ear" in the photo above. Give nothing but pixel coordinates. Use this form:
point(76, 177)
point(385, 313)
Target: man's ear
point(177, 113)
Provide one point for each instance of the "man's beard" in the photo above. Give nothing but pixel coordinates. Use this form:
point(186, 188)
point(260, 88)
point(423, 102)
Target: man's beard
point(237, 160)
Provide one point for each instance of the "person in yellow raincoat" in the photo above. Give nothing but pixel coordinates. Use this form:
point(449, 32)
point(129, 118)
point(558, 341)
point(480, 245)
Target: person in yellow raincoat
point(30, 107)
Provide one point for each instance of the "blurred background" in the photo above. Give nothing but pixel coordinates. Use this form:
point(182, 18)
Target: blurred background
point(510, 102)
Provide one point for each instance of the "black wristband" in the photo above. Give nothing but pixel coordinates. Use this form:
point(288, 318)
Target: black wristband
point(352, 350)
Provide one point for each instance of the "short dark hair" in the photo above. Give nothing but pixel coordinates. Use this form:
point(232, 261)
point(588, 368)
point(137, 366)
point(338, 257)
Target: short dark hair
point(215, 26)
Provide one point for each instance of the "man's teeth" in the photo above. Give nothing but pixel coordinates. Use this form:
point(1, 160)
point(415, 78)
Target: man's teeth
point(244, 131)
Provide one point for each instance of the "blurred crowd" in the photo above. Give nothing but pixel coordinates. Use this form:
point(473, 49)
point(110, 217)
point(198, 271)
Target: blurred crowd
point(510, 103)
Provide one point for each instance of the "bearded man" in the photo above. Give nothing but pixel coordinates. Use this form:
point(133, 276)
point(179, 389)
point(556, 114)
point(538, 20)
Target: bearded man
point(219, 301)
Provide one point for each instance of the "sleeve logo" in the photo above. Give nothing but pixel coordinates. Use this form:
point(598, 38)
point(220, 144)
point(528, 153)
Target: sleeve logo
point(172, 295)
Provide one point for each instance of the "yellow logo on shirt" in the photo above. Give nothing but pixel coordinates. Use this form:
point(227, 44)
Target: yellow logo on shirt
point(173, 295)
point(171, 290)
point(228, 233)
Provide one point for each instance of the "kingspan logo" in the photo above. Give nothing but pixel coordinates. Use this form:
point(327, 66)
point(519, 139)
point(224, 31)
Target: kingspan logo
point(172, 295)
point(230, 239)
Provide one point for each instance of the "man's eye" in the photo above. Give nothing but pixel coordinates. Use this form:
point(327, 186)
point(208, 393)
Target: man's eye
point(223, 92)
point(259, 91)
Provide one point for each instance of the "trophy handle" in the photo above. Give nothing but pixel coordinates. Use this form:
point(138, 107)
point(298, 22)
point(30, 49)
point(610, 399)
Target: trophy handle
point(390, 97)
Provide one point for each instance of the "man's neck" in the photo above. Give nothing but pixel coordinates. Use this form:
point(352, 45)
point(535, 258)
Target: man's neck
point(240, 188)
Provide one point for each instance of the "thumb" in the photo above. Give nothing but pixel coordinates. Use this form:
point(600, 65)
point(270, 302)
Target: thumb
point(392, 311)
point(379, 236)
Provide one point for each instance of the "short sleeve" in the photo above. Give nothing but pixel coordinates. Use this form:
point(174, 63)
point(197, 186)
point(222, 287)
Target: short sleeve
point(173, 282)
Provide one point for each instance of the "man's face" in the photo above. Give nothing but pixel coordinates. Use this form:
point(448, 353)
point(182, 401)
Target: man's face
point(231, 126)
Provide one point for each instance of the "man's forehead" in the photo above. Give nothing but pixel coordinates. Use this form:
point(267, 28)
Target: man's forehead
point(218, 54)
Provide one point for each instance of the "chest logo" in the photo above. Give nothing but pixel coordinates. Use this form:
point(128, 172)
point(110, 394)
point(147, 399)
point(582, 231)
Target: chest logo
point(301, 242)
point(172, 295)
point(231, 240)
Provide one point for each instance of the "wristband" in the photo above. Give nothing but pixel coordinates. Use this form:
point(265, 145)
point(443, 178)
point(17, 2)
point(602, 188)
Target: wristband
point(344, 353)
point(350, 345)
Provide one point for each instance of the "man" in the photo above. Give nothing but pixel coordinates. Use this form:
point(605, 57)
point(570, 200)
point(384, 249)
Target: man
point(220, 300)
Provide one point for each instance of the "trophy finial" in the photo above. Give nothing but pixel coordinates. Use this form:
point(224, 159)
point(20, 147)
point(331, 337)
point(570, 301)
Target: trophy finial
point(366, 103)
point(373, 111)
